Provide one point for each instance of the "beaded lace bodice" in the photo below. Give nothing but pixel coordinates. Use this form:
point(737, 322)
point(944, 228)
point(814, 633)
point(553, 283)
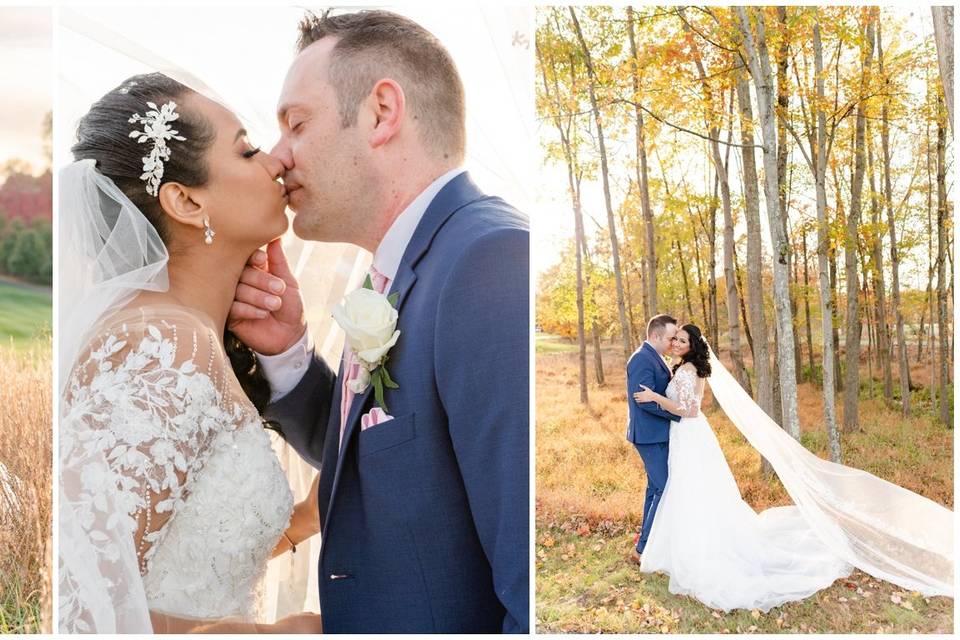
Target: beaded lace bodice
point(190, 476)
point(686, 389)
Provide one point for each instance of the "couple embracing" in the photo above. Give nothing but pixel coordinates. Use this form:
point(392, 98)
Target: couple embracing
point(182, 345)
point(697, 528)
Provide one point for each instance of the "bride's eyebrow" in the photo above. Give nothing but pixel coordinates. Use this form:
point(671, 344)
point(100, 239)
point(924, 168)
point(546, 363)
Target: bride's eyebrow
point(242, 132)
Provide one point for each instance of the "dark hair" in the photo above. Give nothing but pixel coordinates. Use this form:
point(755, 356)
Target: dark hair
point(658, 323)
point(699, 354)
point(374, 44)
point(103, 135)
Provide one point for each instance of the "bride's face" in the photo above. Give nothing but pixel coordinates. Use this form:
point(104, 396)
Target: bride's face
point(681, 343)
point(243, 196)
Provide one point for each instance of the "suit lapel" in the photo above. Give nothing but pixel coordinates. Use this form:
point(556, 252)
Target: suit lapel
point(457, 193)
point(656, 356)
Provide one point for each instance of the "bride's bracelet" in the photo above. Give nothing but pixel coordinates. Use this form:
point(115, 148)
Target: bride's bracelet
point(293, 547)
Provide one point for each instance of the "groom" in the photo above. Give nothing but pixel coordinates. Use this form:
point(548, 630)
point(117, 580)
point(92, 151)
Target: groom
point(648, 426)
point(424, 511)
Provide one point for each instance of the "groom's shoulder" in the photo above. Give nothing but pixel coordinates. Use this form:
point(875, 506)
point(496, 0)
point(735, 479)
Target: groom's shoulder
point(487, 214)
point(484, 222)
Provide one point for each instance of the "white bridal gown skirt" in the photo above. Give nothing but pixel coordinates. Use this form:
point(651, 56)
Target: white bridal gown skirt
point(716, 548)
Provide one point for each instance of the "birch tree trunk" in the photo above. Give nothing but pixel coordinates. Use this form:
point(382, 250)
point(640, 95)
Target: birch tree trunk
point(759, 63)
point(751, 204)
point(902, 355)
point(611, 223)
point(851, 400)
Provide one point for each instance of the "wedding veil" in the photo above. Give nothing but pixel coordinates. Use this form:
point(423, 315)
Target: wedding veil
point(883, 529)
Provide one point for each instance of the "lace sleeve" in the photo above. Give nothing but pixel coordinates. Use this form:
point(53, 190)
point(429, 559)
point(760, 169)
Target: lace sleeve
point(140, 413)
point(689, 391)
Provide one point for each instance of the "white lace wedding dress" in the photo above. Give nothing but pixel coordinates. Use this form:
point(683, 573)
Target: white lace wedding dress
point(713, 545)
point(162, 450)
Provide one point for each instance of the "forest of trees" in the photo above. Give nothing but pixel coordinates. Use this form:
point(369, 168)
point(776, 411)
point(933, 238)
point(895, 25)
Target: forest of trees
point(26, 234)
point(777, 175)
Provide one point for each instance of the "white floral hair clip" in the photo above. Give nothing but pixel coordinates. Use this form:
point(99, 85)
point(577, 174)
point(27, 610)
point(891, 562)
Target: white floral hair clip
point(156, 129)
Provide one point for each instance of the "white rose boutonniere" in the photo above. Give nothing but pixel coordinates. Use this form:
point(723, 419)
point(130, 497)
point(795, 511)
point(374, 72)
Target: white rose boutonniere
point(370, 321)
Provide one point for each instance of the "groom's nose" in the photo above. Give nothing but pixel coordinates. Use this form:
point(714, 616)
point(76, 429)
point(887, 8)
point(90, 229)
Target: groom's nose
point(281, 151)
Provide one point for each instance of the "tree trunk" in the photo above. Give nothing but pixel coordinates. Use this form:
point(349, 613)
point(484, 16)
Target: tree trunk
point(759, 61)
point(943, 34)
point(904, 364)
point(703, 299)
point(827, 299)
point(751, 202)
point(714, 330)
point(650, 304)
point(686, 283)
point(806, 302)
point(879, 286)
point(574, 185)
point(944, 355)
point(743, 305)
point(851, 400)
point(614, 245)
point(729, 272)
point(783, 153)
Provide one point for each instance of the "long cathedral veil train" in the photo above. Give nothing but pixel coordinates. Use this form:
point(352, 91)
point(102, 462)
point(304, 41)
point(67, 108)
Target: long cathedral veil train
point(885, 530)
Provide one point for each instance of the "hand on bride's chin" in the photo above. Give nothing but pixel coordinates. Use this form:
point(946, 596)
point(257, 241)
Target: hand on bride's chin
point(267, 311)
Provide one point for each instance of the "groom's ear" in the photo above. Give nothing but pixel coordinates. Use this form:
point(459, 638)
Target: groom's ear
point(386, 106)
point(181, 204)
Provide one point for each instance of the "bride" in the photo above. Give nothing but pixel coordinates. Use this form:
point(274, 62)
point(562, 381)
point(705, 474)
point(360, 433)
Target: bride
point(171, 498)
point(716, 548)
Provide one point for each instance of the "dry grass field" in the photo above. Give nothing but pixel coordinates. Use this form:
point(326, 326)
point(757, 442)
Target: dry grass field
point(25, 502)
point(590, 485)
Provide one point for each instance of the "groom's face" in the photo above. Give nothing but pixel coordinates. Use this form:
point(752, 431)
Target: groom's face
point(325, 162)
point(663, 342)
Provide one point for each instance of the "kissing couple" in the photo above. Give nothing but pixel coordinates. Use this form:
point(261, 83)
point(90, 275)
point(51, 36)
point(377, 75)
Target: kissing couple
point(182, 344)
point(697, 528)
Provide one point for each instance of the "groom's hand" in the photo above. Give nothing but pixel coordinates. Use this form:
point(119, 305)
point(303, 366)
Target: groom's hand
point(267, 311)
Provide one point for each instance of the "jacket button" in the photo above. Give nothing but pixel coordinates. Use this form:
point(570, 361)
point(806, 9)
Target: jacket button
point(338, 576)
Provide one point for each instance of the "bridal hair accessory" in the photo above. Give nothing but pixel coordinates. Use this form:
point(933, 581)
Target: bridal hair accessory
point(156, 129)
point(208, 233)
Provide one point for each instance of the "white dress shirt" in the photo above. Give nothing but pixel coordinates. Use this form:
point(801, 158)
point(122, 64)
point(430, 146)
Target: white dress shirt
point(284, 371)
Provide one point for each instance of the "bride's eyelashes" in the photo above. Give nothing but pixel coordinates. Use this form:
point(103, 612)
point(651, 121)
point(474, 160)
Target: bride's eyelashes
point(251, 152)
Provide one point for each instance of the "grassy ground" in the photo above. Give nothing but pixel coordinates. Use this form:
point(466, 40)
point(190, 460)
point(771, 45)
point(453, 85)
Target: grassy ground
point(590, 486)
point(25, 522)
point(25, 314)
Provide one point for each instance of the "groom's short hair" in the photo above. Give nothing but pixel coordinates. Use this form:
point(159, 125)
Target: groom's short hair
point(658, 323)
point(372, 45)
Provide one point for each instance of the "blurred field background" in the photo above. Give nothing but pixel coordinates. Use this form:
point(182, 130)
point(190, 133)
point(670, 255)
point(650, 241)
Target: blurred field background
point(25, 459)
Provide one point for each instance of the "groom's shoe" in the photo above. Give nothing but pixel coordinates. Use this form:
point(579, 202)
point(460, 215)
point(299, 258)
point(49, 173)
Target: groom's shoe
point(634, 556)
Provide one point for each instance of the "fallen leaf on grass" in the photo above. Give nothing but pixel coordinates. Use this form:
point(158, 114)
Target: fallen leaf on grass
point(756, 614)
point(549, 542)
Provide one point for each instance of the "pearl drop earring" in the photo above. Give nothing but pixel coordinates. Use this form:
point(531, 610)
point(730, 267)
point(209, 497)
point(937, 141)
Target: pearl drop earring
point(208, 233)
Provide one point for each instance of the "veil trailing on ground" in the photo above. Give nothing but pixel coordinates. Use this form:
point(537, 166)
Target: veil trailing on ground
point(883, 529)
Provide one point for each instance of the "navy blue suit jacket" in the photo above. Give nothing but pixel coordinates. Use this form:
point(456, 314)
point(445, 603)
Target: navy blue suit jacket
point(647, 422)
point(425, 518)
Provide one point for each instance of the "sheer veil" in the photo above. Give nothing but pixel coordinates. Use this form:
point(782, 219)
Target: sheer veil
point(883, 529)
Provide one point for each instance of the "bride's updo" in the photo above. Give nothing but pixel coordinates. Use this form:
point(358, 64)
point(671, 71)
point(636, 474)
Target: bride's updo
point(103, 135)
point(699, 354)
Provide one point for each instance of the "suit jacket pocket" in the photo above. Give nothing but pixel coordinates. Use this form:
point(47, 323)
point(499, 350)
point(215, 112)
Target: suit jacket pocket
point(386, 434)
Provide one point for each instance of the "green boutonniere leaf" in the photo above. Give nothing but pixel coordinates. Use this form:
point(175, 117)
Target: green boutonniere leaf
point(393, 298)
point(368, 282)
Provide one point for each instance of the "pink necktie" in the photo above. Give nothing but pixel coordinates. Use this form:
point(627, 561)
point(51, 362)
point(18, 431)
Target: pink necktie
point(352, 367)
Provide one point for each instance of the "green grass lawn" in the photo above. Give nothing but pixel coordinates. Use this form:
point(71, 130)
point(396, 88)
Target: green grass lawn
point(547, 343)
point(25, 315)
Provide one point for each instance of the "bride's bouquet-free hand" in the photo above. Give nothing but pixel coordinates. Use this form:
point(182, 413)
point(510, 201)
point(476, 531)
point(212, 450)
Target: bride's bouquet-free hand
point(370, 319)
